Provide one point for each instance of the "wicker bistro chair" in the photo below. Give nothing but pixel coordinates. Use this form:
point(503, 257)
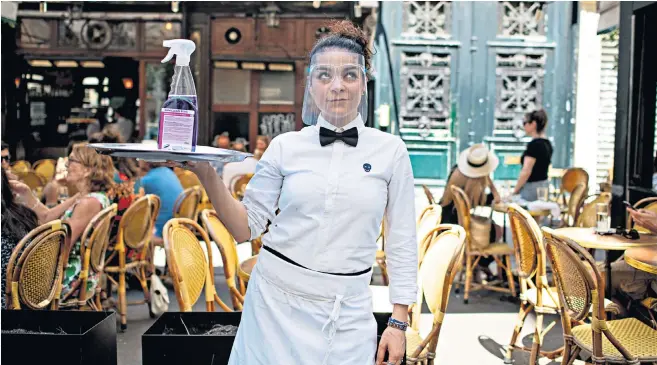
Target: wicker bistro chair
point(135, 232)
point(34, 272)
point(442, 260)
point(571, 213)
point(429, 218)
point(647, 204)
point(191, 270)
point(429, 195)
point(33, 180)
point(501, 252)
point(570, 179)
point(94, 242)
point(535, 293)
point(21, 166)
point(237, 275)
point(624, 341)
point(587, 216)
point(238, 184)
point(45, 168)
point(187, 203)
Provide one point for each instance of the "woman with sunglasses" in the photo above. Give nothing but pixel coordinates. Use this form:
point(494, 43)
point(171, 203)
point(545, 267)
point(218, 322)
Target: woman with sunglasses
point(308, 300)
point(92, 174)
point(537, 157)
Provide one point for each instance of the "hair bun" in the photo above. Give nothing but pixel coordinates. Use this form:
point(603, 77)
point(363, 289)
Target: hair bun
point(347, 29)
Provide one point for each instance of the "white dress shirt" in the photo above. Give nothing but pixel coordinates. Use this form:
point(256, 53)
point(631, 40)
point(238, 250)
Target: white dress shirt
point(332, 200)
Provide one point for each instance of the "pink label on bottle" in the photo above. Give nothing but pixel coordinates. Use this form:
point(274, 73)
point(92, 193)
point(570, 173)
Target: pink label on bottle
point(176, 130)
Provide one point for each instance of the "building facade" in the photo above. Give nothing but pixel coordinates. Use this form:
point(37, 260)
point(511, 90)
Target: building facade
point(459, 73)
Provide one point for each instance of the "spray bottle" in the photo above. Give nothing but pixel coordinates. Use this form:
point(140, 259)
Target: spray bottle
point(179, 115)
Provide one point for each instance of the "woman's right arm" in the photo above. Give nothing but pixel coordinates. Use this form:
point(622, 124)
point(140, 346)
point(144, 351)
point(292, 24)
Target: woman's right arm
point(246, 220)
point(44, 213)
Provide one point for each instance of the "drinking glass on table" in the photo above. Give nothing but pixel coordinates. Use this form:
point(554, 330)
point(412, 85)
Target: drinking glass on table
point(602, 217)
point(542, 194)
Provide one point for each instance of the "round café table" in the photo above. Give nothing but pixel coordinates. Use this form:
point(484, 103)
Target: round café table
point(587, 238)
point(642, 258)
point(504, 208)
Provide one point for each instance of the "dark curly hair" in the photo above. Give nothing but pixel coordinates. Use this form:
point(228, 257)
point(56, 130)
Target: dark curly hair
point(17, 219)
point(344, 34)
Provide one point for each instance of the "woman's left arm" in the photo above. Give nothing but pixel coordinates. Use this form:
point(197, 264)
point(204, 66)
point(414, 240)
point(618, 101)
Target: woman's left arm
point(86, 209)
point(401, 251)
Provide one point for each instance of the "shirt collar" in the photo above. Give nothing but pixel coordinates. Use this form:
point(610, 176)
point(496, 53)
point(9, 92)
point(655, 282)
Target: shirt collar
point(357, 122)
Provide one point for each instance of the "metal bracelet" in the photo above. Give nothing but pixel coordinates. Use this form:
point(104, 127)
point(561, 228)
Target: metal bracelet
point(397, 324)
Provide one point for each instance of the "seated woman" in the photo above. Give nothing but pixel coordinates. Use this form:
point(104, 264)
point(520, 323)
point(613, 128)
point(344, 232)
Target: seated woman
point(536, 159)
point(92, 174)
point(17, 221)
point(472, 174)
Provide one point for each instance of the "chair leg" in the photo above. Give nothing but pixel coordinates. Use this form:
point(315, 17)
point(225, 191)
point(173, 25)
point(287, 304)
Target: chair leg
point(509, 275)
point(123, 300)
point(521, 322)
point(468, 278)
point(536, 346)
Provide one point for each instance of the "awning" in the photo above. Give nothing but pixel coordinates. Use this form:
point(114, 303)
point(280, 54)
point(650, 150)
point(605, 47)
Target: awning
point(609, 16)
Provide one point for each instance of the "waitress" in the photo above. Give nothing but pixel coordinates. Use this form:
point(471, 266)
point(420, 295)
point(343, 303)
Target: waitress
point(308, 300)
point(536, 159)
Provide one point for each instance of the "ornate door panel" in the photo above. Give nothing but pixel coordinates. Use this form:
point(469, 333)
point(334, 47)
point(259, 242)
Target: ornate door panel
point(467, 72)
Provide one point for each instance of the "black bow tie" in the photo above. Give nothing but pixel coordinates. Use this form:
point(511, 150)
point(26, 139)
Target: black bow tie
point(327, 136)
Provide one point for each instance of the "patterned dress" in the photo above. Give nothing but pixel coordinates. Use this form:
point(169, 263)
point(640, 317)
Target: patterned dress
point(9, 242)
point(74, 265)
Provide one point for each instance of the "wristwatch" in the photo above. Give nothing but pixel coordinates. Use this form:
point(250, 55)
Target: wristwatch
point(397, 324)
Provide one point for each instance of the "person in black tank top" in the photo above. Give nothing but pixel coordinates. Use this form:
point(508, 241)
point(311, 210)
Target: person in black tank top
point(537, 157)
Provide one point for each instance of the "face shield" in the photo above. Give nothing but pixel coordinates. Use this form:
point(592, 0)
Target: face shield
point(336, 88)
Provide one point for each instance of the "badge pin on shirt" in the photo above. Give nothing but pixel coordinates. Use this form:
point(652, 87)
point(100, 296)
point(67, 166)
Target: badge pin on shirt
point(367, 167)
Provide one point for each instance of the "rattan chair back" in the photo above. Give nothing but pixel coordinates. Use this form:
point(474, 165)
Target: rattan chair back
point(239, 184)
point(96, 237)
point(32, 179)
point(527, 242)
point(575, 281)
point(575, 203)
point(441, 262)
point(428, 220)
point(429, 195)
point(587, 216)
point(187, 203)
point(188, 263)
point(45, 168)
point(34, 272)
point(136, 226)
point(225, 242)
point(21, 166)
point(573, 177)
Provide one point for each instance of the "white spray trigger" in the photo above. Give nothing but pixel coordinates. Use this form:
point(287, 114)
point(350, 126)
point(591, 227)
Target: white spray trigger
point(182, 48)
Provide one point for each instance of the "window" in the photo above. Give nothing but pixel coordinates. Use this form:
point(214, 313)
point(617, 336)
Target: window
point(277, 88)
point(231, 86)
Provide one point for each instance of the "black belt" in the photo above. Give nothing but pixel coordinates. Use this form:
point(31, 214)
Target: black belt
point(290, 261)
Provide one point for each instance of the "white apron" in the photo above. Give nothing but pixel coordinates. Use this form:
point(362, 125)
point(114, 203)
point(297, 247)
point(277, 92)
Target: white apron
point(293, 316)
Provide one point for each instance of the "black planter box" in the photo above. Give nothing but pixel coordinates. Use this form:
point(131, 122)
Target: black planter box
point(88, 338)
point(180, 348)
point(177, 347)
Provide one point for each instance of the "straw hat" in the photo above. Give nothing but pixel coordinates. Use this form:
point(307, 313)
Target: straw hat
point(477, 161)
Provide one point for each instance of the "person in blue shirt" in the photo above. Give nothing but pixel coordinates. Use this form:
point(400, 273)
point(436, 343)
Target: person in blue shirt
point(160, 180)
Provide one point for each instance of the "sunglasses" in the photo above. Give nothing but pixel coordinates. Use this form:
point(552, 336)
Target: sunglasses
point(68, 163)
point(5, 158)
